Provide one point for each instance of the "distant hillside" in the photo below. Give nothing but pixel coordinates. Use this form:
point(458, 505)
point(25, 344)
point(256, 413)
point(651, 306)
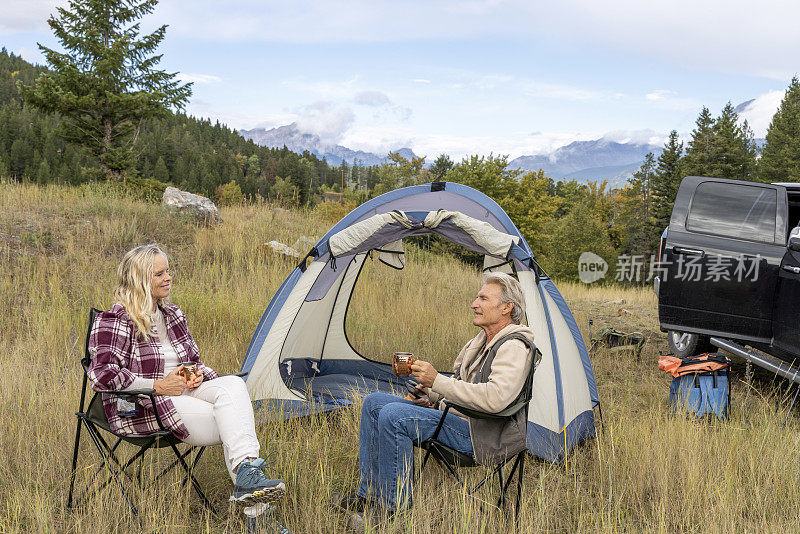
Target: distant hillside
point(600, 159)
point(193, 154)
point(295, 140)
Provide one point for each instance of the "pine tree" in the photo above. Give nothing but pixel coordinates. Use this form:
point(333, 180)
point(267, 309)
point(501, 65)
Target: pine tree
point(43, 174)
point(666, 180)
point(780, 160)
point(635, 210)
point(440, 166)
point(107, 83)
point(733, 152)
point(160, 171)
point(698, 155)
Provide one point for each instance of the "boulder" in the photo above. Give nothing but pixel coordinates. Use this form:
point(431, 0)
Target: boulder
point(197, 206)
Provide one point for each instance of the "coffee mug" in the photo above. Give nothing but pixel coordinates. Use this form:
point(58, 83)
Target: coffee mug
point(401, 363)
point(189, 371)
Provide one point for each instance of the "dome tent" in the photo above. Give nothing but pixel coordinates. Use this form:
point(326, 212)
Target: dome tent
point(300, 353)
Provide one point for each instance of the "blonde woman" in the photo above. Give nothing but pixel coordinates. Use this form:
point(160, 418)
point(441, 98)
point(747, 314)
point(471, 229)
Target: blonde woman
point(143, 342)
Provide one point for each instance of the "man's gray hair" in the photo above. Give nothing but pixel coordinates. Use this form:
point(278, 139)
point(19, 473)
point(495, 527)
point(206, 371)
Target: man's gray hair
point(511, 291)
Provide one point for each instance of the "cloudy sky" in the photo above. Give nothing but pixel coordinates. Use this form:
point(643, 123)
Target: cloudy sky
point(465, 77)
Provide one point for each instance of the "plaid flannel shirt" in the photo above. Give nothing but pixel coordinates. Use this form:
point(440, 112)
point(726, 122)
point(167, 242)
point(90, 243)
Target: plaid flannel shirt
point(118, 356)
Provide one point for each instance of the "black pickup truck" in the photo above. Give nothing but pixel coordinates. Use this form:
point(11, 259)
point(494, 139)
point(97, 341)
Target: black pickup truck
point(729, 268)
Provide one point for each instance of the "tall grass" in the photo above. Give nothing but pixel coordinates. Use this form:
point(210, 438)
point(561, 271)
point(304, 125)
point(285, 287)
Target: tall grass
point(647, 471)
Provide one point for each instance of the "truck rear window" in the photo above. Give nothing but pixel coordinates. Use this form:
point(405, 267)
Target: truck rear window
point(732, 210)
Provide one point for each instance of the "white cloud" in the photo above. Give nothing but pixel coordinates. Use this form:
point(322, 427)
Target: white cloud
point(403, 113)
point(380, 140)
point(198, 78)
point(31, 56)
point(537, 89)
point(26, 15)
point(420, 80)
point(639, 137)
point(723, 35)
point(385, 110)
point(324, 89)
point(735, 36)
point(669, 99)
point(372, 99)
point(240, 120)
point(759, 112)
point(327, 120)
point(660, 94)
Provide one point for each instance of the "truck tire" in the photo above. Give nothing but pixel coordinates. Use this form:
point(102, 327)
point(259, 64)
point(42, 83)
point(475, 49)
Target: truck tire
point(683, 344)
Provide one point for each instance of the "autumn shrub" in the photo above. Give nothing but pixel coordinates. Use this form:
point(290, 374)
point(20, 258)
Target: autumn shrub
point(333, 211)
point(229, 194)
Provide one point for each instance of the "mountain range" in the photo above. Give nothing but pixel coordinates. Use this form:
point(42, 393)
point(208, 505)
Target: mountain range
point(298, 141)
point(599, 159)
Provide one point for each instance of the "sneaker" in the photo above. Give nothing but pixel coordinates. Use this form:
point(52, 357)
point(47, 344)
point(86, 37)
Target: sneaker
point(253, 486)
point(352, 502)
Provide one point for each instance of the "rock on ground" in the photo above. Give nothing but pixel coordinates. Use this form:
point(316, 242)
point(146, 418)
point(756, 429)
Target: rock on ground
point(197, 206)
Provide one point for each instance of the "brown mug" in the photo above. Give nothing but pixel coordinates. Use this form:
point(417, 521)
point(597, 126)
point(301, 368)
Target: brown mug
point(401, 363)
point(189, 371)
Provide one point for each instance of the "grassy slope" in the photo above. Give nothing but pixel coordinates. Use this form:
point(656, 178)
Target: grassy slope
point(648, 471)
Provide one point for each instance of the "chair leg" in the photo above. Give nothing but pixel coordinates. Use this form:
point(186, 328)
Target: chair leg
point(519, 484)
point(425, 460)
point(501, 502)
point(197, 457)
point(113, 457)
point(203, 499)
point(113, 473)
point(441, 459)
point(196, 485)
point(174, 464)
point(74, 463)
point(93, 433)
point(481, 483)
point(190, 471)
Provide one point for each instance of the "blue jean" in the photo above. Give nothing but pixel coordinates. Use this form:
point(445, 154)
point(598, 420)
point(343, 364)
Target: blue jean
point(390, 427)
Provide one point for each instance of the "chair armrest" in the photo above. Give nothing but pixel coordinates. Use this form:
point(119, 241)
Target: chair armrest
point(241, 374)
point(141, 393)
point(477, 414)
point(129, 393)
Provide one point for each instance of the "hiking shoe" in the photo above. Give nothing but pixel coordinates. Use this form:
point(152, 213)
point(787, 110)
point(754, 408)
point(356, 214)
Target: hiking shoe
point(352, 502)
point(253, 486)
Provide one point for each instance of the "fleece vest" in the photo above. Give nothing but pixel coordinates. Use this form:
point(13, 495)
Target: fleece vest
point(495, 439)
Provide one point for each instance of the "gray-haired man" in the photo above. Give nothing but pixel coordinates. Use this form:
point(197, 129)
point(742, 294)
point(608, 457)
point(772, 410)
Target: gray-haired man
point(391, 426)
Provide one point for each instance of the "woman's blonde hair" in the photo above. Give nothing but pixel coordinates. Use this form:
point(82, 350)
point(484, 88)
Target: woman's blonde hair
point(134, 279)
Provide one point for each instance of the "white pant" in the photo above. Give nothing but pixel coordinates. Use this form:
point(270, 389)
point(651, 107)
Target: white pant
point(220, 411)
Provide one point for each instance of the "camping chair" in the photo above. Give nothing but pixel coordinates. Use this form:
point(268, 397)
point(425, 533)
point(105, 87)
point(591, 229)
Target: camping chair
point(451, 458)
point(94, 420)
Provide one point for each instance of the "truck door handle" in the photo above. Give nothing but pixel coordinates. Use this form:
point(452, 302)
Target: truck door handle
point(795, 270)
point(689, 251)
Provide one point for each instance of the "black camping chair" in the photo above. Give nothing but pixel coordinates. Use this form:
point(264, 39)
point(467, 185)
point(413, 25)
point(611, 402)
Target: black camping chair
point(94, 420)
point(451, 458)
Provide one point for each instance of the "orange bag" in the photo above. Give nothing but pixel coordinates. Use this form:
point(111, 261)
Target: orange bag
point(702, 363)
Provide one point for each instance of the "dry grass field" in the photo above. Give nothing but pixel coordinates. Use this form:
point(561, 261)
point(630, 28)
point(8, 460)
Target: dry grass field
point(648, 471)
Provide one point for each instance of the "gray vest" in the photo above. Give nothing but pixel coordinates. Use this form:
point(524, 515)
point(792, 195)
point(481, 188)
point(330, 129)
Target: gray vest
point(495, 439)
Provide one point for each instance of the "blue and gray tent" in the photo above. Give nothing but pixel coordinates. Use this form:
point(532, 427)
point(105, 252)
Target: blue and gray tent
point(300, 361)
